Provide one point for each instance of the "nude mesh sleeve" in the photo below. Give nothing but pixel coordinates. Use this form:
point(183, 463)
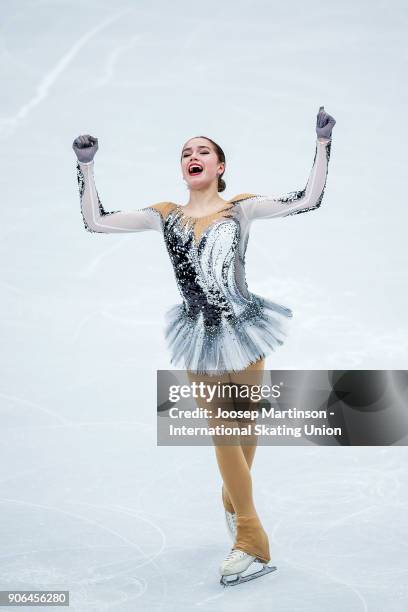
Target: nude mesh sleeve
point(294, 202)
point(96, 219)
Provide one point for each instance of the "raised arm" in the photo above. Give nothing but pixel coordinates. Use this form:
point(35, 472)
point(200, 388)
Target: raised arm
point(95, 218)
point(304, 200)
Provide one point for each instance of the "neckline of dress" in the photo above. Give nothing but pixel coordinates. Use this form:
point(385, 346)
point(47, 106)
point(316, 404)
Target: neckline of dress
point(227, 203)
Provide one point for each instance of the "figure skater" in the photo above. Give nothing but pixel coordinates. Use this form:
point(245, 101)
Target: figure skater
point(220, 328)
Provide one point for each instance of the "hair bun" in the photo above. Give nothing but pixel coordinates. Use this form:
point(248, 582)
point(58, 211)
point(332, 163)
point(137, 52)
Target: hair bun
point(221, 184)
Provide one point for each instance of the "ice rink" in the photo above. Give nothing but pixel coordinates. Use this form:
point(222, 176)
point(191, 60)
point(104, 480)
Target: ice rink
point(88, 502)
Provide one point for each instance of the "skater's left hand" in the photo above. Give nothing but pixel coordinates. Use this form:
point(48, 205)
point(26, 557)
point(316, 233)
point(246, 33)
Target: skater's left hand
point(324, 124)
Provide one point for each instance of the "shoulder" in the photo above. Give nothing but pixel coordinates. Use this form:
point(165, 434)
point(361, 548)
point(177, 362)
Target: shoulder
point(163, 208)
point(243, 196)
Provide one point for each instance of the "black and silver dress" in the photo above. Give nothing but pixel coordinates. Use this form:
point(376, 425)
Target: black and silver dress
point(219, 325)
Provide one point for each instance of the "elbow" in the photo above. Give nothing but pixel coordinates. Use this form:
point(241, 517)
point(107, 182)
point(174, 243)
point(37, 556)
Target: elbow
point(315, 202)
point(89, 229)
point(93, 228)
point(319, 200)
point(309, 205)
point(96, 229)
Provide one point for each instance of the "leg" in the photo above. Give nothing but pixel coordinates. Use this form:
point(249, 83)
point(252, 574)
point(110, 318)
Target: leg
point(229, 452)
point(248, 444)
point(251, 537)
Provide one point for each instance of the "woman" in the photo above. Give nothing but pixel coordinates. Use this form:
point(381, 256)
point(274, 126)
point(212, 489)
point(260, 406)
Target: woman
point(220, 328)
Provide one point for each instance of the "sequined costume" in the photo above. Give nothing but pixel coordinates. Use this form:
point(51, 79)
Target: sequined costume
point(219, 325)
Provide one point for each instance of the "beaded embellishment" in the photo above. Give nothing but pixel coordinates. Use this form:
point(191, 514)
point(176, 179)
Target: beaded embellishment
point(220, 325)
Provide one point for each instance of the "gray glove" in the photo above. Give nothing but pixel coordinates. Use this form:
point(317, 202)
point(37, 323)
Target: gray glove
point(85, 147)
point(324, 124)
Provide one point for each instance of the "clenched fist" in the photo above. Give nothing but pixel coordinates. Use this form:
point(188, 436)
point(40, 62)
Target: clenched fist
point(85, 147)
point(324, 124)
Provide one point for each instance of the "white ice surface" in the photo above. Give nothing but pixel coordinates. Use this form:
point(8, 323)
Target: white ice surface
point(88, 502)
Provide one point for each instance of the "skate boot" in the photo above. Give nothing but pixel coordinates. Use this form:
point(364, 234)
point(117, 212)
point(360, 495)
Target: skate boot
point(230, 516)
point(251, 545)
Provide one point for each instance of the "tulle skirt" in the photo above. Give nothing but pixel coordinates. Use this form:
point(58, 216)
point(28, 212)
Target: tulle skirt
point(230, 346)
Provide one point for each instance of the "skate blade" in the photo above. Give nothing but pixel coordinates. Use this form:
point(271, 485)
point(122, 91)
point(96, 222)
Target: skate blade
point(267, 569)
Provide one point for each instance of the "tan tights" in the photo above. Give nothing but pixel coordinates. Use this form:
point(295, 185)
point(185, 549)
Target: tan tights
point(235, 455)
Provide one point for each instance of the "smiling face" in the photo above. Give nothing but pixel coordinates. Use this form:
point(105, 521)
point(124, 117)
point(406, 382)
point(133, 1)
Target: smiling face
point(199, 163)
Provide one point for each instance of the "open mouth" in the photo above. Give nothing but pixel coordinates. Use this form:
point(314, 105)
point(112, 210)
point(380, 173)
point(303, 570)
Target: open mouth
point(195, 169)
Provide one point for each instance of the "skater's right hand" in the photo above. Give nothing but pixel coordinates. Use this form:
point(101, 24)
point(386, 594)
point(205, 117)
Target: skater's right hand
point(85, 147)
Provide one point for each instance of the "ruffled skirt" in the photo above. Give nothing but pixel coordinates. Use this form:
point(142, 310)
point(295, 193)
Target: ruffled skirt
point(230, 346)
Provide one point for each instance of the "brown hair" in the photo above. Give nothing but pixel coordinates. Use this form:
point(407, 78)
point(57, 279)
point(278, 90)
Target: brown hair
point(221, 158)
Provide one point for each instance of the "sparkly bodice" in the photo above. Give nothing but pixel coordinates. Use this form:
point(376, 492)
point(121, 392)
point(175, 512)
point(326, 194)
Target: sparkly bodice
point(208, 258)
